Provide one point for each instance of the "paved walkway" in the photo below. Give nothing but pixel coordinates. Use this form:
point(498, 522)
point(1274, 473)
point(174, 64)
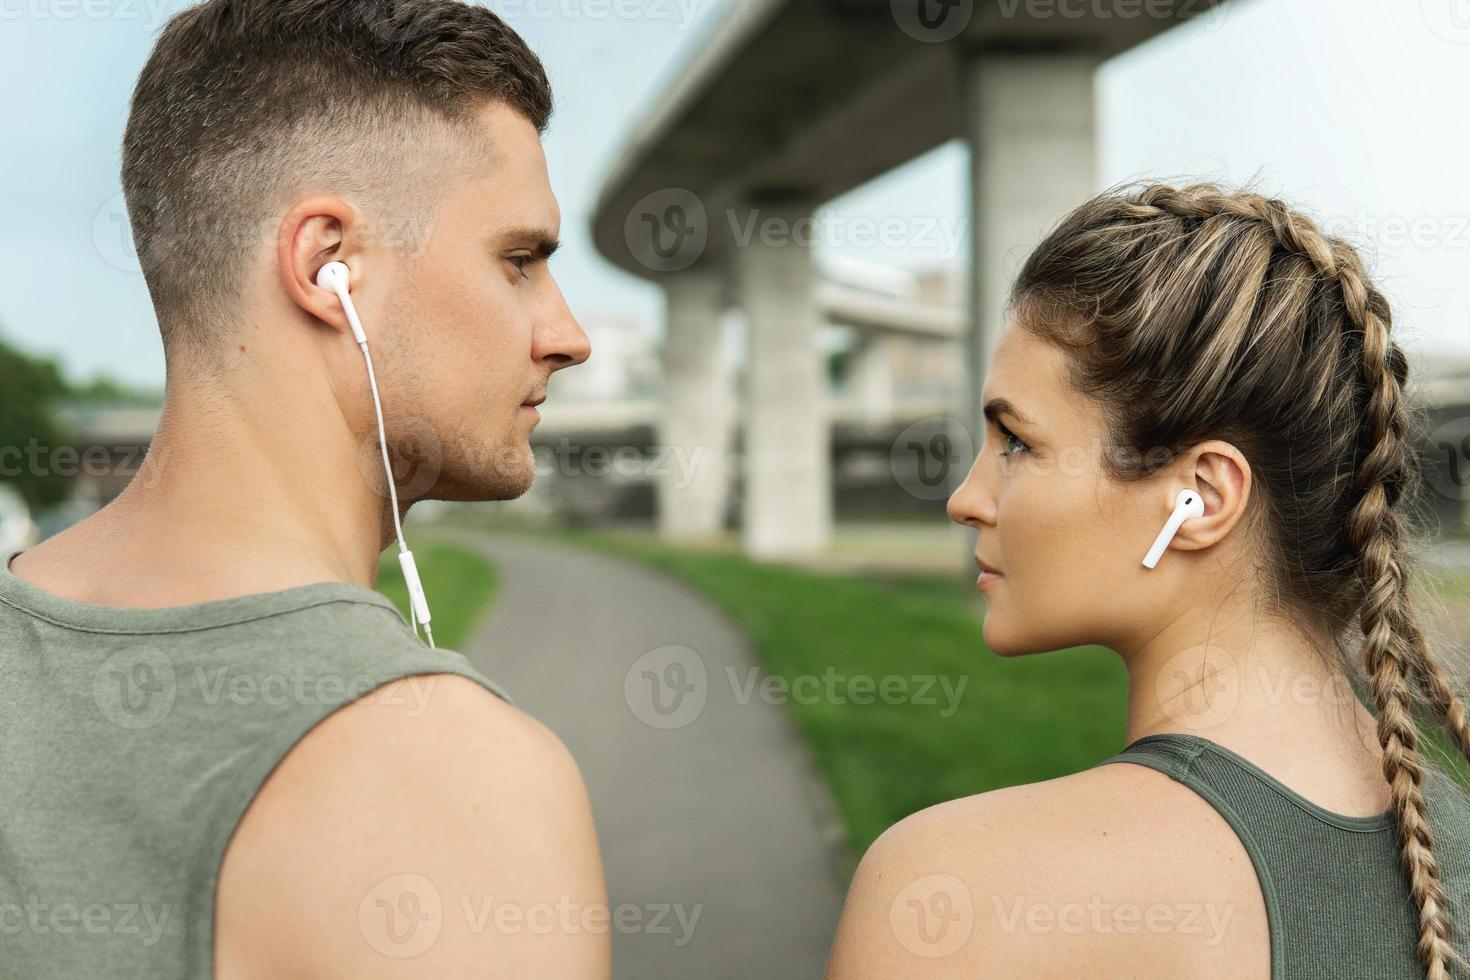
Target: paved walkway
point(703, 793)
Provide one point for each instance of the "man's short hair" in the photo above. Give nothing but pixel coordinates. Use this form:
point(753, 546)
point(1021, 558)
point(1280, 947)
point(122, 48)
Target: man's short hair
point(246, 102)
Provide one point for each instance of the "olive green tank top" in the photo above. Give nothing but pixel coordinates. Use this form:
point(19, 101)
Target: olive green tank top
point(1337, 903)
point(133, 740)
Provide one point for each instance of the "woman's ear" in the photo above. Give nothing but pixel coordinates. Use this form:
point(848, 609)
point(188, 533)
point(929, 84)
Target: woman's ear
point(1223, 477)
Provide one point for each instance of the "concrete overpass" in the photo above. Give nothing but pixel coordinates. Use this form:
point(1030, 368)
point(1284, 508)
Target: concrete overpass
point(789, 103)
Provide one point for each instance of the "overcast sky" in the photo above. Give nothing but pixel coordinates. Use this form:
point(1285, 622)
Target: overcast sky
point(1354, 108)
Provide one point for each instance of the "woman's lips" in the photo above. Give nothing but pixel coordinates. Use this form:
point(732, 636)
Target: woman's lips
point(988, 575)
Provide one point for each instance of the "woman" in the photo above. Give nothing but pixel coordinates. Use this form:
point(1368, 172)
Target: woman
point(1262, 822)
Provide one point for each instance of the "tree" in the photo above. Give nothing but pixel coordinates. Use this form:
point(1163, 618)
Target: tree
point(30, 431)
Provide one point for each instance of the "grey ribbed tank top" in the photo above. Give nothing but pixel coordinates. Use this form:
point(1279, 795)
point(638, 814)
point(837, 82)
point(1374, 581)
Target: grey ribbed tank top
point(132, 741)
point(1337, 902)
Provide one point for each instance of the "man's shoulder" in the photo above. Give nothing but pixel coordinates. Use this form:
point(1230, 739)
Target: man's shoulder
point(333, 646)
point(431, 792)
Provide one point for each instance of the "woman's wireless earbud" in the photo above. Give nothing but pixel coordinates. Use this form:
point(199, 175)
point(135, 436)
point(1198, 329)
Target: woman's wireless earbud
point(1186, 505)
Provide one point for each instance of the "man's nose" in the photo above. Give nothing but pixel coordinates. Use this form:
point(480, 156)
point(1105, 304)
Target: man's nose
point(562, 342)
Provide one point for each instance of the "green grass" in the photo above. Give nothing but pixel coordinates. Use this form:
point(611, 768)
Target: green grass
point(460, 584)
point(1017, 720)
point(1014, 721)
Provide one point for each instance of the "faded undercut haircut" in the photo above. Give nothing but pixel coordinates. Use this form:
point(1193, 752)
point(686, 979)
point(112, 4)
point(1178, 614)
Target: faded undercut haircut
point(245, 103)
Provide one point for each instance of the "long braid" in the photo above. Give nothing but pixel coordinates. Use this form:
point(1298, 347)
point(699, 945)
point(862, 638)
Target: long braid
point(1394, 653)
point(1389, 657)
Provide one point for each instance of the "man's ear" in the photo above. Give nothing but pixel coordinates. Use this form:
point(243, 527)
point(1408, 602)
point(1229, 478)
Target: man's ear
point(1223, 477)
point(317, 230)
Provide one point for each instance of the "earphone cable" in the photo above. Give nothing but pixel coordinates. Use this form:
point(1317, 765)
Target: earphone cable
point(392, 488)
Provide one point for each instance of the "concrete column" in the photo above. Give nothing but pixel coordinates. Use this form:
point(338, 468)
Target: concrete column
point(870, 379)
point(699, 407)
point(1030, 119)
point(788, 481)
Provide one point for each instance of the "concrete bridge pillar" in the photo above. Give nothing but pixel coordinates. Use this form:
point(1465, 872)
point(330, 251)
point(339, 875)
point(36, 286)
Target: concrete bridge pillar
point(1030, 120)
point(788, 490)
point(699, 407)
point(870, 380)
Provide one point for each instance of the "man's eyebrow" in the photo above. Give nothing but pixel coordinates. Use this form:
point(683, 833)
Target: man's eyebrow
point(538, 240)
point(996, 406)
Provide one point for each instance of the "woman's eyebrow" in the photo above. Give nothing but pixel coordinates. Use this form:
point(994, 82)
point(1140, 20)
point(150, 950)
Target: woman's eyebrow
point(996, 406)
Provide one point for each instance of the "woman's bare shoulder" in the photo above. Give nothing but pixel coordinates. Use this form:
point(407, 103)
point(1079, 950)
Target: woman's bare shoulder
point(1116, 868)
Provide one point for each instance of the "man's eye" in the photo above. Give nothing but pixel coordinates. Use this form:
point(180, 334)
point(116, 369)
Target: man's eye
point(520, 262)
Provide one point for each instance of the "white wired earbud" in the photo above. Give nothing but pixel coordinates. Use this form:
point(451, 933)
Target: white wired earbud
point(337, 278)
point(1186, 505)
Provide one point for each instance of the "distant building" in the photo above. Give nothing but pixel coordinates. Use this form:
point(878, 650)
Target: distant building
point(899, 367)
point(1443, 393)
point(111, 442)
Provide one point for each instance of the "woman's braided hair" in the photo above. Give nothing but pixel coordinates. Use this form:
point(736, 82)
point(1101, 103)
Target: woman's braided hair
point(1195, 313)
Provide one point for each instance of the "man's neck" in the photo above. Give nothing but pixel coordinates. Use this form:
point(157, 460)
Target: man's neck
point(237, 496)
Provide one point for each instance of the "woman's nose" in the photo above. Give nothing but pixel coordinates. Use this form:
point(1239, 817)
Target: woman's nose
point(970, 504)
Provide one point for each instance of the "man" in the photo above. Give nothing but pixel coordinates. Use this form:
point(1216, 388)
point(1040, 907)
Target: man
point(223, 753)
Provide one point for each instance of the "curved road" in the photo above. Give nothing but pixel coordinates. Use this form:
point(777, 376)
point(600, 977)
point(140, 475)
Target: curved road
point(715, 833)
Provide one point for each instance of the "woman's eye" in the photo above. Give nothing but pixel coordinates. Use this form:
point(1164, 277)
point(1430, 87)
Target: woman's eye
point(1014, 444)
point(520, 262)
